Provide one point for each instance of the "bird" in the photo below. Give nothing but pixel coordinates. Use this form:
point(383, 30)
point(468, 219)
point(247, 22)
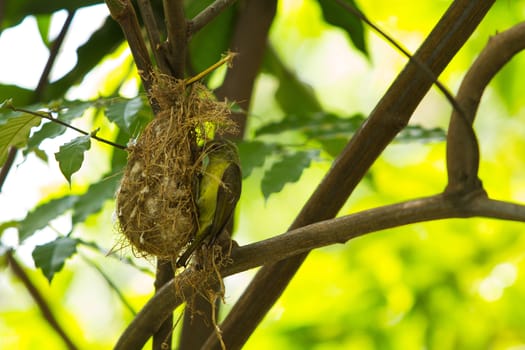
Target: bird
point(218, 193)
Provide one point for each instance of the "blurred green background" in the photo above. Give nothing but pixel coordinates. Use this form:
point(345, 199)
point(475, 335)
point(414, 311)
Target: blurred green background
point(452, 284)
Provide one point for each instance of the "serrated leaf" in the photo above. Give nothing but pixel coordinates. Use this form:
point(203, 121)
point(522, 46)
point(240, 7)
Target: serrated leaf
point(51, 256)
point(70, 156)
point(92, 201)
point(253, 154)
point(129, 114)
point(336, 15)
point(288, 169)
point(40, 217)
point(14, 131)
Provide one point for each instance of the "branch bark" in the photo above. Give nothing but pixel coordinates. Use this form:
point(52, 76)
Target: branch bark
point(321, 234)
point(207, 15)
point(463, 152)
point(154, 37)
point(176, 29)
point(386, 120)
point(123, 13)
point(249, 40)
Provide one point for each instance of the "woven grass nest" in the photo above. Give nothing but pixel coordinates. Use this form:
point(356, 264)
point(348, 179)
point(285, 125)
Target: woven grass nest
point(156, 206)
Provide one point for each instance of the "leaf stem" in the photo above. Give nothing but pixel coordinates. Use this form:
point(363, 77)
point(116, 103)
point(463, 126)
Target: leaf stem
point(48, 116)
point(228, 58)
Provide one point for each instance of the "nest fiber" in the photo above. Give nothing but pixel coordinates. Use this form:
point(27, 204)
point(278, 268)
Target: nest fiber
point(156, 200)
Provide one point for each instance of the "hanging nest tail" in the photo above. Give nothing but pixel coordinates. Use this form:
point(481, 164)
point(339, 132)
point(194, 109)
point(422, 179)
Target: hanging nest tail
point(155, 203)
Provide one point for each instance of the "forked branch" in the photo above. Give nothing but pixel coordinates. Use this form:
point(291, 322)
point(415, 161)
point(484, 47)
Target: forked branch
point(462, 151)
point(317, 235)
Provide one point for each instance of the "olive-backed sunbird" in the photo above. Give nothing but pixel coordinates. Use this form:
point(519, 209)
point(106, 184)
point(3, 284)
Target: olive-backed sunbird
point(218, 192)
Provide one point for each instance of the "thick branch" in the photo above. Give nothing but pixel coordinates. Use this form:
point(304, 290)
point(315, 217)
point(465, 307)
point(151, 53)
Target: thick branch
point(320, 234)
point(462, 151)
point(39, 300)
point(249, 40)
point(176, 29)
point(123, 12)
point(386, 120)
point(207, 15)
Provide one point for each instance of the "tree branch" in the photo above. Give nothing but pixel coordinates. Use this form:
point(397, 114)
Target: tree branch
point(320, 234)
point(53, 53)
point(207, 15)
point(249, 40)
point(389, 117)
point(463, 152)
point(124, 14)
point(176, 29)
point(152, 28)
point(39, 300)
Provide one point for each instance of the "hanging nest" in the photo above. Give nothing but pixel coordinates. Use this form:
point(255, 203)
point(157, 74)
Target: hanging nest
point(156, 201)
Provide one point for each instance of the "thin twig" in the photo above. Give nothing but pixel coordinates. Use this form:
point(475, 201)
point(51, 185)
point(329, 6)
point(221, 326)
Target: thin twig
point(42, 304)
point(448, 95)
point(7, 165)
point(207, 15)
point(53, 53)
point(48, 116)
point(228, 58)
point(152, 28)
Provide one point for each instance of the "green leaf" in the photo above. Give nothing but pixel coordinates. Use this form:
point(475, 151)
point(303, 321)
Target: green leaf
point(253, 154)
point(15, 11)
point(293, 95)
point(8, 224)
point(97, 194)
point(334, 146)
point(51, 256)
point(23, 96)
point(336, 15)
point(40, 217)
point(131, 115)
point(288, 169)
point(14, 131)
point(413, 133)
point(314, 125)
point(65, 111)
point(71, 155)
point(43, 22)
